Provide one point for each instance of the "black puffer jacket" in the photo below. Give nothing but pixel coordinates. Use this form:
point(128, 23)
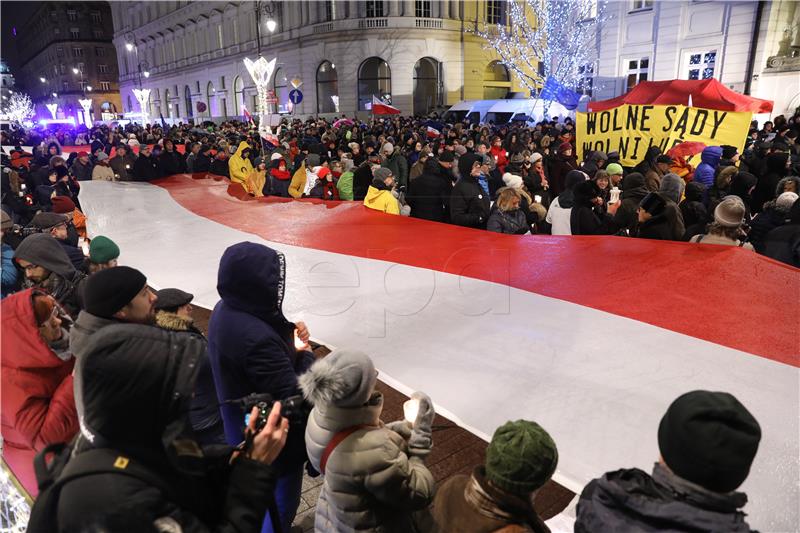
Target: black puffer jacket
point(510, 222)
point(469, 204)
point(630, 500)
point(633, 190)
point(146, 421)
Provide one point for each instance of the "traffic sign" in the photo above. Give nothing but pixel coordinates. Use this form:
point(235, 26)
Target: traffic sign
point(295, 96)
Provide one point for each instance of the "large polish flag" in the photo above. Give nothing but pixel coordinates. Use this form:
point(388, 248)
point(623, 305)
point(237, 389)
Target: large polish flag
point(592, 337)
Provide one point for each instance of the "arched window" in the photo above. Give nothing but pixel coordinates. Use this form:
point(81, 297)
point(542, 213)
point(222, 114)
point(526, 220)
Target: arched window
point(167, 103)
point(187, 97)
point(374, 79)
point(210, 94)
point(428, 86)
point(327, 86)
point(496, 81)
point(280, 86)
point(155, 99)
point(238, 96)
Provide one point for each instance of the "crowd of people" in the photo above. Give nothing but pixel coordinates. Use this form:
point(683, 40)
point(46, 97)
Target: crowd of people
point(162, 427)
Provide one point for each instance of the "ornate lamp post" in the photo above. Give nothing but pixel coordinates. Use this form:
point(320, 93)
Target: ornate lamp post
point(268, 9)
point(261, 71)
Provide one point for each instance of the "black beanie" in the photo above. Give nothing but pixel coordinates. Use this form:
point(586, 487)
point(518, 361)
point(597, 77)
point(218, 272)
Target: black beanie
point(710, 439)
point(653, 203)
point(109, 290)
point(465, 164)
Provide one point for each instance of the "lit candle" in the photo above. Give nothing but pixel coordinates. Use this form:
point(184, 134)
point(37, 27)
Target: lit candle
point(298, 344)
point(410, 410)
point(537, 198)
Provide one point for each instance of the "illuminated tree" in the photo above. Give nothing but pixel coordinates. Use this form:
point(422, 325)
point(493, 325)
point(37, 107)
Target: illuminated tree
point(19, 108)
point(547, 39)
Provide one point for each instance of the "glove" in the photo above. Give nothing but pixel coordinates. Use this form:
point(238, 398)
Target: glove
point(421, 441)
point(401, 427)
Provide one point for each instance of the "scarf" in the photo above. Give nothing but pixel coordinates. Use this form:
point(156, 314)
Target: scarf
point(484, 183)
point(500, 505)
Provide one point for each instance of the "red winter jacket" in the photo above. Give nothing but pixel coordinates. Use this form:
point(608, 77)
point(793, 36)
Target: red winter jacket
point(500, 157)
point(38, 402)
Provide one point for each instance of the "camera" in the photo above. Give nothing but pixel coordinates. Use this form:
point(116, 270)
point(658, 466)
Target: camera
point(293, 408)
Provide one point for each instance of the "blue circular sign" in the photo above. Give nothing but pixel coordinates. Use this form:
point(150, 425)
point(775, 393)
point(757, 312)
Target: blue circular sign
point(295, 96)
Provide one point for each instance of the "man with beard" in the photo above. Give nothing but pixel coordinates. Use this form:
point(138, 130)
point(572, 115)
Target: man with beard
point(47, 267)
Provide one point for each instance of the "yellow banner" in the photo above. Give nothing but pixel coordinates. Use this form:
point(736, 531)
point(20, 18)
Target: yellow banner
point(632, 129)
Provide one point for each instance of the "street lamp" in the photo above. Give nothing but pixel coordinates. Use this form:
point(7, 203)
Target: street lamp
point(89, 88)
point(43, 80)
point(141, 66)
point(129, 47)
point(79, 70)
point(267, 8)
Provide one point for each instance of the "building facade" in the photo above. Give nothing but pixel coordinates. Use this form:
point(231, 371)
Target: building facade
point(418, 55)
point(66, 55)
point(731, 41)
point(7, 83)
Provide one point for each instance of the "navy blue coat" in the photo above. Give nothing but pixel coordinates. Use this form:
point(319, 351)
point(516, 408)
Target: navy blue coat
point(250, 342)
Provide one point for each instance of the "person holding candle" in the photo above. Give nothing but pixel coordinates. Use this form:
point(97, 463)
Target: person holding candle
point(251, 347)
point(122, 163)
point(375, 474)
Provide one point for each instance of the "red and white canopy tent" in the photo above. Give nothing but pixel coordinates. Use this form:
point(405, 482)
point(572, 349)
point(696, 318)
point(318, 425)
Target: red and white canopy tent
point(708, 94)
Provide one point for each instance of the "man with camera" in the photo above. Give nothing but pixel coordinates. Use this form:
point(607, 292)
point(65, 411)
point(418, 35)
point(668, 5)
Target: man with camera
point(136, 465)
point(253, 348)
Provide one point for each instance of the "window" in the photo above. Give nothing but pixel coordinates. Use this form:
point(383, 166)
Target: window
point(60, 51)
point(63, 68)
point(641, 4)
point(422, 8)
point(637, 71)
point(102, 69)
point(97, 33)
point(72, 15)
point(699, 65)
point(428, 86)
point(65, 86)
point(99, 52)
point(105, 86)
point(330, 10)
point(74, 33)
point(375, 8)
point(494, 9)
point(496, 81)
point(327, 86)
point(374, 79)
point(96, 18)
point(222, 82)
point(586, 83)
point(279, 86)
point(83, 84)
point(219, 36)
point(77, 51)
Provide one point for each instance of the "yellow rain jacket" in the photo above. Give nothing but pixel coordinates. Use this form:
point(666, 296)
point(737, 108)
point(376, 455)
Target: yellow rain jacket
point(382, 200)
point(240, 168)
point(298, 184)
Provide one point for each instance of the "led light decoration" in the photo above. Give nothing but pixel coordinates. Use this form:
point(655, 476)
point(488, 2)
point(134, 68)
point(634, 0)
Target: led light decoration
point(14, 507)
point(53, 108)
point(142, 96)
point(86, 104)
point(261, 71)
point(19, 108)
point(559, 35)
point(335, 102)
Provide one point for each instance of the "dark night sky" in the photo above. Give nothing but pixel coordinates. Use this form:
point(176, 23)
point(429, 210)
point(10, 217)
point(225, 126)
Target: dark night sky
point(13, 14)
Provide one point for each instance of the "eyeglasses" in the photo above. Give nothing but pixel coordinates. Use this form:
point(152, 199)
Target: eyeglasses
point(26, 268)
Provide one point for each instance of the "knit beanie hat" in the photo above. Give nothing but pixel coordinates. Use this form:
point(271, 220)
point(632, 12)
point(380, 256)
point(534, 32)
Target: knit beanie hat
point(614, 169)
point(730, 212)
point(728, 151)
point(62, 204)
point(345, 378)
point(785, 201)
point(387, 147)
point(102, 250)
point(515, 182)
point(7, 222)
point(465, 164)
point(709, 438)
point(108, 291)
point(535, 156)
point(381, 173)
point(521, 457)
point(102, 156)
point(312, 160)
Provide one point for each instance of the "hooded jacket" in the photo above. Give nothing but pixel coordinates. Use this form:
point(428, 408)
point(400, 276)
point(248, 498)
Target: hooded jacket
point(145, 420)
point(380, 198)
point(64, 283)
point(707, 168)
point(171, 163)
point(469, 203)
point(672, 187)
point(250, 342)
point(768, 183)
point(38, 406)
point(560, 211)
point(372, 481)
point(583, 218)
point(633, 190)
point(631, 500)
point(146, 168)
point(239, 167)
point(693, 211)
point(742, 184)
point(362, 178)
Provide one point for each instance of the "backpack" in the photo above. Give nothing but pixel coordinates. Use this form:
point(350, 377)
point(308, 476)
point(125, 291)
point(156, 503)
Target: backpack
point(51, 478)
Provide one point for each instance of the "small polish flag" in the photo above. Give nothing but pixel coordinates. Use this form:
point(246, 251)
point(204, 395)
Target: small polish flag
point(248, 116)
point(433, 132)
point(379, 108)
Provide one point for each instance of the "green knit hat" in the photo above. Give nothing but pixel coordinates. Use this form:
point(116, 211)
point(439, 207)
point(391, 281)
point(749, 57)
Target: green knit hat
point(614, 169)
point(102, 250)
point(521, 457)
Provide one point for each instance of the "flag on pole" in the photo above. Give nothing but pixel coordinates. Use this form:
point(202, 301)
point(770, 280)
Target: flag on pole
point(379, 108)
point(433, 132)
point(163, 122)
point(248, 116)
point(554, 91)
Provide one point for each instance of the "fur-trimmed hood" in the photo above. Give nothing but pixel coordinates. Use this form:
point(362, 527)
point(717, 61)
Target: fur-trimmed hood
point(173, 322)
